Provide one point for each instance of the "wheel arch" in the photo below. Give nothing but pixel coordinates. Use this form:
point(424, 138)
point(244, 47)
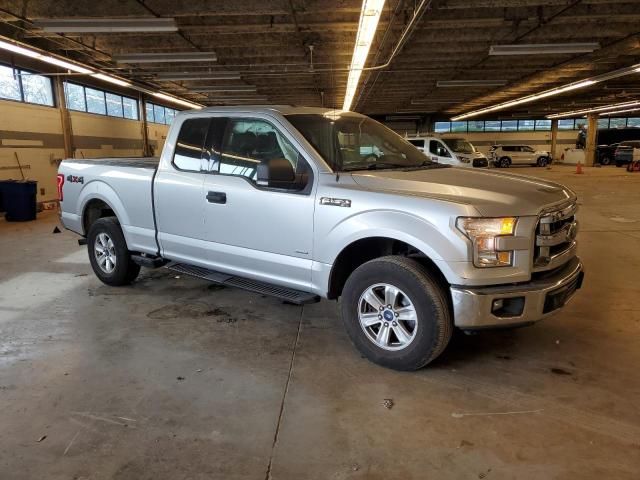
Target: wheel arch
point(365, 249)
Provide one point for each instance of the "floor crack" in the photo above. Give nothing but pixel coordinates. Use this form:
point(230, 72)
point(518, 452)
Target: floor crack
point(284, 397)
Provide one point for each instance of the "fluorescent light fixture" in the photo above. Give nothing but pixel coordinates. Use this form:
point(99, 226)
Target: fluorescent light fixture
point(620, 111)
point(45, 58)
point(110, 79)
point(369, 18)
point(613, 106)
point(166, 57)
point(470, 83)
point(543, 48)
point(554, 91)
point(106, 25)
point(179, 76)
point(225, 89)
point(179, 101)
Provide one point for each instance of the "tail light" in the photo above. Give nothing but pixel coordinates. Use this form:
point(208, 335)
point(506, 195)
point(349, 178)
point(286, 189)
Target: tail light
point(60, 185)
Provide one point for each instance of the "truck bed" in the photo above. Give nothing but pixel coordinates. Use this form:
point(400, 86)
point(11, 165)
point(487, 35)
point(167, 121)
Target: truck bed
point(124, 184)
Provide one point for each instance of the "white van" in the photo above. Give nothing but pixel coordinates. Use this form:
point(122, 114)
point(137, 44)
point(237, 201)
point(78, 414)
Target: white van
point(452, 151)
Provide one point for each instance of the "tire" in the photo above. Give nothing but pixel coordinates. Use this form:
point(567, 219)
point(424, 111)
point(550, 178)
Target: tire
point(542, 162)
point(117, 268)
point(605, 161)
point(411, 342)
point(504, 162)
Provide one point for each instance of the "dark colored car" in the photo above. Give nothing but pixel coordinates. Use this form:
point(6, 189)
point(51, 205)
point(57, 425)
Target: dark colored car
point(606, 153)
point(624, 152)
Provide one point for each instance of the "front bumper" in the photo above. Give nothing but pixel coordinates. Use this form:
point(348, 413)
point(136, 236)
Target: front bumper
point(514, 305)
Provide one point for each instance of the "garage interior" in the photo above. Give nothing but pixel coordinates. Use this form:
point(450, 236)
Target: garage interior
point(175, 377)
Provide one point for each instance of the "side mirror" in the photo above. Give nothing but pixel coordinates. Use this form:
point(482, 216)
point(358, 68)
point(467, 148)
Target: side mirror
point(277, 173)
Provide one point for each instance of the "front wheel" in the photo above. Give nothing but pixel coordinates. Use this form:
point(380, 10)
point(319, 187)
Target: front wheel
point(108, 254)
point(504, 162)
point(396, 313)
point(605, 161)
point(542, 162)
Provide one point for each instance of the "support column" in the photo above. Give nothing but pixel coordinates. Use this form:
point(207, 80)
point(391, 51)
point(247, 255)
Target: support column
point(592, 133)
point(142, 105)
point(554, 139)
point(65, 118)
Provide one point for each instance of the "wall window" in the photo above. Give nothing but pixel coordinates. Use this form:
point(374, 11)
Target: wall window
point(24, 86)
point(633, 122)
point(160, 114)
point(458, 126)
point(526, 125)
point(543, 125)
point(476, 126)
point(617, 123)
point(93, 100)
point(442, 127)
point(603, 123)
point(509, 125)
point(492, 126)
point(566, 124)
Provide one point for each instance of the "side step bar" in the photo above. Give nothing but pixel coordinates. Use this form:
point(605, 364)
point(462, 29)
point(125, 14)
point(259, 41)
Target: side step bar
point(149, 262)
point(288, 294)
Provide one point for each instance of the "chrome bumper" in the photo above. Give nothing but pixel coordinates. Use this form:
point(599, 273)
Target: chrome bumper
point(477, 308)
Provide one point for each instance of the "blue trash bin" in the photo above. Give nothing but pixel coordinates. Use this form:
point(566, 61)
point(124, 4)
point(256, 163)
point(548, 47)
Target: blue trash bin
point(3, 198)
point(19, 198)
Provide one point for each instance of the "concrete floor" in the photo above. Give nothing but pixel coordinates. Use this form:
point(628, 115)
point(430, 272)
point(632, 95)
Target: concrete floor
point(173, 378)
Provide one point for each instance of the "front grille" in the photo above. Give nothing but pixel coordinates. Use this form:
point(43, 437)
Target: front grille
point(555, 235)
point(480, 162)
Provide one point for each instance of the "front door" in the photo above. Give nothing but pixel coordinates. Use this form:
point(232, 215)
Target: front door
point(439, 153)
point(254, 230)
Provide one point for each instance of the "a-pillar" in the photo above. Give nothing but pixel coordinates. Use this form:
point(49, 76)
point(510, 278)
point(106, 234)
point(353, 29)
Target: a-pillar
point(592, 134)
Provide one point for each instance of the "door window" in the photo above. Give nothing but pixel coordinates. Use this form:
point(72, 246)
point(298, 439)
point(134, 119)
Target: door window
point(251, 142)
point(437, 148)
point(189, 150)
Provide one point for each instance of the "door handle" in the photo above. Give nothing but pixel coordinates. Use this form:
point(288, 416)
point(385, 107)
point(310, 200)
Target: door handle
point(216, 197)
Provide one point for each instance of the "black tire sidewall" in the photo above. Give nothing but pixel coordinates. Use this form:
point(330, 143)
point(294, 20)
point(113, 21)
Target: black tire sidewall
point(542, 162)
point(430, 304)
point(126, 271)
point(605, 161)
point(504, 162)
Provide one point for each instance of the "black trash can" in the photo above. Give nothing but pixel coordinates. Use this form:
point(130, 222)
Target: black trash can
point(19, 198)
point(3, 197)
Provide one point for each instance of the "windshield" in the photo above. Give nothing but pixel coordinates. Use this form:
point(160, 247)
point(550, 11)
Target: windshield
point(459, 146)
point(356, 143)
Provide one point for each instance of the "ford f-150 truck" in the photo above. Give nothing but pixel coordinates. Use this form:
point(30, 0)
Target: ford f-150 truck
point(308, 203)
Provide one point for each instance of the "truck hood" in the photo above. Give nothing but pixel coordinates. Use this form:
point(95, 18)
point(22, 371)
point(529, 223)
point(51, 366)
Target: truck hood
point(491, 193)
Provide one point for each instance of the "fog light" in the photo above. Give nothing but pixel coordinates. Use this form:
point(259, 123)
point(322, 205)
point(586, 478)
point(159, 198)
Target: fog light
point(507, 307)
point(497, 305)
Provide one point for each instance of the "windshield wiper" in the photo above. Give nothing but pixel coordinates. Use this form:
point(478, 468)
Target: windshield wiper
point(375, 166)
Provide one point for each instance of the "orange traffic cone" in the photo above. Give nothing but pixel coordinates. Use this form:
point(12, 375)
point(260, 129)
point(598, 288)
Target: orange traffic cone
point(579, 167)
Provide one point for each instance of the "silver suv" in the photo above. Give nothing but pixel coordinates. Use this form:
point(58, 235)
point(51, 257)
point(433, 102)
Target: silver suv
point(507, 155)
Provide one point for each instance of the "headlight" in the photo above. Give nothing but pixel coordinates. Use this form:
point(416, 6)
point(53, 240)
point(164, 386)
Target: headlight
point(483, 233)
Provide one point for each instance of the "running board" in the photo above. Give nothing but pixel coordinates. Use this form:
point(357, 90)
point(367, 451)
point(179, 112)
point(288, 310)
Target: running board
point(283, 293)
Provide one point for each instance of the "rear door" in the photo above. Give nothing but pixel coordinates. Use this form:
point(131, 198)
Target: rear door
point(178, 194)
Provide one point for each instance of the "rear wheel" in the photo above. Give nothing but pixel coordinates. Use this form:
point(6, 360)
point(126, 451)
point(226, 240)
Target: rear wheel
point(108, 254)
point(396, 313)
point(504, 162)
point(605, 161)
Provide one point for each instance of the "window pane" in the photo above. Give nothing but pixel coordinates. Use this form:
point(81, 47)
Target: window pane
point(75, 97)
point(114, 105)
point(190, 144)
point(158, 113)
point(441, 127)
point(476, 126)
point(149, 112)
point(542, 125)
point(37, 89)
point(130, 106)
point(9, 85)
point(509, 125)
point(565, 124)
point(169, 113)
point(603, 123)
point(249, 143)
point(633, 122)
point(617, 123)
point(492, 126)
point(417, 143)
point(436, 147)
point(458, 126)
point(95, 101)
point(526, 125)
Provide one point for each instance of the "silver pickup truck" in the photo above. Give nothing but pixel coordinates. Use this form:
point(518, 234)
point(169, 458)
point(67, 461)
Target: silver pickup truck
point(309, 203)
